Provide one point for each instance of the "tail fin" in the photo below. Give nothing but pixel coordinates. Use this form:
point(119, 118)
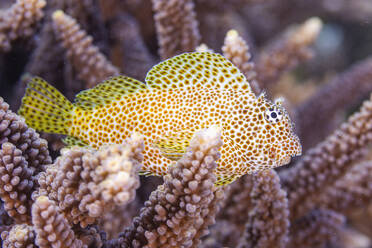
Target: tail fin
point(45, 108)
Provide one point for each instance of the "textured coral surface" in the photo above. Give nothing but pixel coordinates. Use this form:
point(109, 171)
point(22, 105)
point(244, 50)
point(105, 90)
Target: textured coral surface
point(314, 57)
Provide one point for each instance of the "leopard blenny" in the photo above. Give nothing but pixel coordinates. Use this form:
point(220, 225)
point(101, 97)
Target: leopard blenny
point(182, 95)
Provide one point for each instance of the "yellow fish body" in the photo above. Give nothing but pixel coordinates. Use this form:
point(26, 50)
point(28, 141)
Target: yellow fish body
point(182, 95)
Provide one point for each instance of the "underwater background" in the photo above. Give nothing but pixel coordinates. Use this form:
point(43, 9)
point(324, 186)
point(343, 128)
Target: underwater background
point(316, 55)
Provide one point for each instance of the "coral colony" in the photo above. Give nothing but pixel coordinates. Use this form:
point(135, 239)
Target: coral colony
point(176, 123)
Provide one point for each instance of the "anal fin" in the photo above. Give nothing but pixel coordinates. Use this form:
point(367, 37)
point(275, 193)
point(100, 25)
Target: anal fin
point(72, 141)
point(227, 179)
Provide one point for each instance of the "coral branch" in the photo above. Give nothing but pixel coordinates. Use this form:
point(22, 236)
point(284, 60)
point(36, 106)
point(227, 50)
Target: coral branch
point(353, 190)
point(287, 52)
point(89, 62)
point(19, 236)
point(14, 130)
point(179, 211)
point(238, 201)
point(176, 26)
point(22, 156)
point(18, 21)
point(51, 227)
point(316, 229)
point(17, 183)
point(133, 55)
point(268, 223)
point(237, 51)
point(86, 183)
point(329, 161)
point(351, 86)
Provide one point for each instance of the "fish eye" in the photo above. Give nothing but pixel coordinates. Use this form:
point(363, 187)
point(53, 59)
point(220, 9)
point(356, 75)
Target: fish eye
point(273, 115)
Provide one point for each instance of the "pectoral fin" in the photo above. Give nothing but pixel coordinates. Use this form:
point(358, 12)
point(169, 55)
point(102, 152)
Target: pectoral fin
point(174, 147)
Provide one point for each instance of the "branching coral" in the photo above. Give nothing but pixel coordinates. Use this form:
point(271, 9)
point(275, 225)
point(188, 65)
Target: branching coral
point(237, 51)
point(18, 21)
point(351, 86)
point(83, 186)
point(267, 223)
point(129, 50)
point(91, 64)
point(177, 27)
point(51, 227)
point(329, 161)
point(352, 190)
point(19, 236)
point(86, 183)
point(313, 229)
point(238, 203)
point(23, 154)
point(16, 183)
point(287, 52)
point(14, 130)
point(179, 211)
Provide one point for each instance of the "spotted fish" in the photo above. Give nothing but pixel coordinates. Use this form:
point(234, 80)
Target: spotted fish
point(182, 95)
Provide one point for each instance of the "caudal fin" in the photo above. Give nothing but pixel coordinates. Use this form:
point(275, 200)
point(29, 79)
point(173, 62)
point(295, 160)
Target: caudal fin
point(45, 108)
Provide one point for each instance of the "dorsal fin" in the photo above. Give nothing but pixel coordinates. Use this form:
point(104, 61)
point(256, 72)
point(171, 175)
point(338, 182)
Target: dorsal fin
point(201, 69)
point(111, 89)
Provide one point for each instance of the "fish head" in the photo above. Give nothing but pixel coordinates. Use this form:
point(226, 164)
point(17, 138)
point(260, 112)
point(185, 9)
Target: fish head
point(272, 140)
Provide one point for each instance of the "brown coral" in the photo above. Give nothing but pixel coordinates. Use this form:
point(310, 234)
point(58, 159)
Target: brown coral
point(91, 65)
point(51, 227)
point(19, 236)
point(129, 49)
point(17, 182)
point(351, 86)
point(352, 190)
point(176, 25)
point(316, 229)
point(267, 223)
point(14, 130)
point(85, 183)
point(287, 52)
point(237, 51)
point(18, 21)
point(179, 211)
point(328, 161)
point(22, 155)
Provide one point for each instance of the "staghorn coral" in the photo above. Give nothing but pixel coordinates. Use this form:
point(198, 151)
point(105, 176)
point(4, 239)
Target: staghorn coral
point(316, 228)
point(267, 223)
point(86, 183)
point(91, 64)
point(352, 85)
point(18, 21)
point(328, 161)
point(286, 52)
point(19, 236)
point(51, 227)
point(237, 51)
point(237, 201)
point(129, 49)
point(17, 182)
point(179, 211)
point(14, 130)
point(352, 190)
point(176, 25)
point(22, 155)
point(127, 36)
